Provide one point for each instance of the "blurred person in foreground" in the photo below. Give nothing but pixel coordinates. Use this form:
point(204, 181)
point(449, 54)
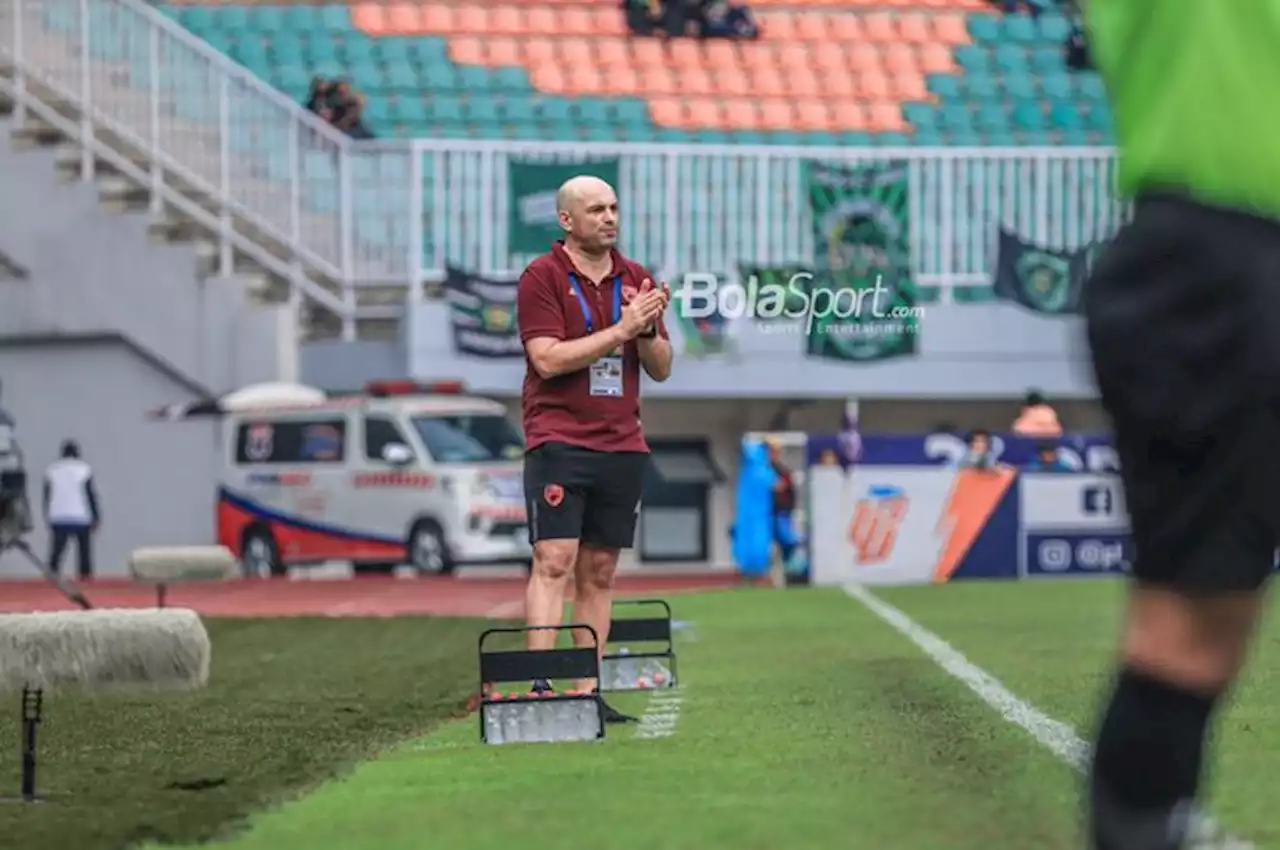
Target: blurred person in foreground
point(1182, 312)
point(590, 320)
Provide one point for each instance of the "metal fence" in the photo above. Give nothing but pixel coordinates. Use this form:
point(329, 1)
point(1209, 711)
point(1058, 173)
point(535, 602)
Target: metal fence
point(401, 212)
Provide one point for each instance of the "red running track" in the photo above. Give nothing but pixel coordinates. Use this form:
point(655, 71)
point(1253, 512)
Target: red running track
point(499, 598)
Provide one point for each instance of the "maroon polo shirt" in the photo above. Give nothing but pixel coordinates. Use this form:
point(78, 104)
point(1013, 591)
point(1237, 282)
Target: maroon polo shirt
point(562, 409)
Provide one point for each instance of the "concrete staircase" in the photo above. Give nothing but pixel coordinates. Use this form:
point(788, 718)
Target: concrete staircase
point(182, 207)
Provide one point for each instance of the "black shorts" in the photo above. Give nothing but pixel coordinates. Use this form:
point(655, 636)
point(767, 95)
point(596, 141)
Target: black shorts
point(580, 494)
point(1183, 318)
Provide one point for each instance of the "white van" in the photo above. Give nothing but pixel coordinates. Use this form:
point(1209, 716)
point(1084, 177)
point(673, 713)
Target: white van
point(404, 474)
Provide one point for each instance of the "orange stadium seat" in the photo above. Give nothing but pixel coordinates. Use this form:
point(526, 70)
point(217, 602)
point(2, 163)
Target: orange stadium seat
point(466, 50)
point(937, 59)
point(793, 56)
point(369, 19)
point(696, 81)
point(841, 83)
point(501, 52)
point(813, 115)
point(436, 20)
point(665, 111)
point(741, 115)
point(914, 28)
point(685, 53)
point(404, 18)
point(845, 27)
point(776, 115)
point(657, 80)
point(541, 22)
point(848, 115)
point(576, 21)
point(549, 78)
point(539, 51)
point(723, 54)
point(767, 82)
point(900, 58)
point(649, 53)
point(880, 27)
point(905, 87)
point(873, 86)
point(885, 117)
point(624, 81)
point(863, 57)
point(473, 20)
point(733, 84)
point(777, 27)
point(610, 21)
point(812, 26)
point(951, 29)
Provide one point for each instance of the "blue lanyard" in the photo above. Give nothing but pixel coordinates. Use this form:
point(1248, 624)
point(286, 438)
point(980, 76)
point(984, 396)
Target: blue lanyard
point(586, 307)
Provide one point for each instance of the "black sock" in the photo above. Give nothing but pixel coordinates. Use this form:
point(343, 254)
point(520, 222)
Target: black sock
point(1150, 745)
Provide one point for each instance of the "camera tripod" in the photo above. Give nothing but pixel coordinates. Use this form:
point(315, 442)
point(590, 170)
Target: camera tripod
point(65, 587)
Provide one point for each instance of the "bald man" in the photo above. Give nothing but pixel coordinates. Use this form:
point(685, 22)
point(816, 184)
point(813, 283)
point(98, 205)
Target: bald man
point(589, 319)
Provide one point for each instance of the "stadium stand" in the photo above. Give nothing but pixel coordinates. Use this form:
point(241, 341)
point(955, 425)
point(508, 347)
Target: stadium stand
point(847, 72)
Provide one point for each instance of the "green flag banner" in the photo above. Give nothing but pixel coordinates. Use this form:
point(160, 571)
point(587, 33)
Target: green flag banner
point(1040, 279)
point(534, 223)
point(863, 304)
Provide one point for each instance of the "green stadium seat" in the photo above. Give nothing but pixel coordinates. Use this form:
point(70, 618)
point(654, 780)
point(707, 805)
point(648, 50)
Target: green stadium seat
point(1077, 137)
point(473, 78)
point(355, 49)
point(1054, 27)
point(967, 138)
point(945, 85)
point(630, 111)
point(484, 132)
point(667, 134)
point(445, 108)
point(518, 110)
point(1019, 86)
point(855, 139)
point(378, 110)
point(1028, 115)
point(972, 57)
point(634, 133)
point(930, 137)
point(1020, 29)
point(981, 87)
point(955, 117)
point(555, 110)
point(334, 19)
point(830, 140)
point(431, 51)
point(481, 110)
point(366, 78)
point(1065, 116)
point(1057, 86)
point(526, 132)
point(299, 18)
point(1098, 117)
point(510, 80)
point(235, 19)
point(1047, 59)
point(891, 140)
point(1011, 59)
point(1090, 87)
point(287, 48)
point(401, 77)
point(591, 111)
point(392, 50)
point(1001, 138)
point(268, 20)
point(440, 78)
point(992, 117)
point(985, 28)
point(920, 115)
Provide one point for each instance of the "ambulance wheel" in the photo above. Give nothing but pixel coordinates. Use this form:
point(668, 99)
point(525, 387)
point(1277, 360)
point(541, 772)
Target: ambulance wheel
point(428, 554)
point(260, 557)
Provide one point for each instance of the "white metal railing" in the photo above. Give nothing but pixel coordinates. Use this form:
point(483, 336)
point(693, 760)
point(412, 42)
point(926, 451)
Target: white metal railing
point(364, 213)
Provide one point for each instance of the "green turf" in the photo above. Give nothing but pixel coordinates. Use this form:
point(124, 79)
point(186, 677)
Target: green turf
point(1050, 643)
point(806, 724)
point(290, 703)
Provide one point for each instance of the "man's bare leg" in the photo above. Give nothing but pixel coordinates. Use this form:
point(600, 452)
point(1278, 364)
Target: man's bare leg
point(1180, 654)
point(553, 562)
point(593, 599)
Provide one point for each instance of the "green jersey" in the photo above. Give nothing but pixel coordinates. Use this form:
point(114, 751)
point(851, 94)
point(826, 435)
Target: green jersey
point(1195, 91)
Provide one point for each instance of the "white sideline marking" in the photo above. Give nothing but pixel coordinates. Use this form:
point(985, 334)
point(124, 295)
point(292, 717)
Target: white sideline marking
point(1054, 735)
point(660, 716)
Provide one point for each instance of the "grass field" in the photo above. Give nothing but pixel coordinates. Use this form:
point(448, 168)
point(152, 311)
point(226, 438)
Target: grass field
point(804, 721)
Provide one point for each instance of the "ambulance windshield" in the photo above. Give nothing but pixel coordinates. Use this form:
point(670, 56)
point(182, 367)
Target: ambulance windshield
point(470, 438)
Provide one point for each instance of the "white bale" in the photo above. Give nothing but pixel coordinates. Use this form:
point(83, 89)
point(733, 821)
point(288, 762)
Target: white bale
point(105, 650)
point(178, 564)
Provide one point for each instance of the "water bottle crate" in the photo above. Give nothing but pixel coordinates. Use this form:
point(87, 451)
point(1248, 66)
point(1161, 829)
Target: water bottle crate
point(526, 717)
point(541, 719)
point(646, 669)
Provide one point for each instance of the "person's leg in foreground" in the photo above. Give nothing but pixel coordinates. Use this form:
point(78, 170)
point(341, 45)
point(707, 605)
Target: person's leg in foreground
point(608, 527)
point(555, 513)
point(1196, 434)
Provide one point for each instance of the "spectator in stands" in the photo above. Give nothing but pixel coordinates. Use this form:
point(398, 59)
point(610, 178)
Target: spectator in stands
point(644, 17)
point(1037, 418)
point(1076, 50)
point(351, 118)
point(728, 20)
point(981, 454)
point(319, 97)
point(71, 509)
point(1046, 460)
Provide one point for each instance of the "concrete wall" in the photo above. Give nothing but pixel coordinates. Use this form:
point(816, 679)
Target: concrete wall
point(155, 479)
point(95, 270)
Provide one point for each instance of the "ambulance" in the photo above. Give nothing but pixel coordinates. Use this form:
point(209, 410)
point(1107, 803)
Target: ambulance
point(403, 474)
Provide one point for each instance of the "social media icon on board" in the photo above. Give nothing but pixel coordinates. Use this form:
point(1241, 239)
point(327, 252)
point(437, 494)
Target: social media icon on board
point(1098, 500)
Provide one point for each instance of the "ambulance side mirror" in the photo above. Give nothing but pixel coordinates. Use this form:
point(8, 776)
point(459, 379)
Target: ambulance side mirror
point(397, 454)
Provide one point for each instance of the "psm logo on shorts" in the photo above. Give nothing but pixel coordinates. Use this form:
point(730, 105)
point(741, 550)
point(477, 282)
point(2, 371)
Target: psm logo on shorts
point(873, 531)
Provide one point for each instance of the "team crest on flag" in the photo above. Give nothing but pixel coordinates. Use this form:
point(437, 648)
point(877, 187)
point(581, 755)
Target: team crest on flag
point(553, 494)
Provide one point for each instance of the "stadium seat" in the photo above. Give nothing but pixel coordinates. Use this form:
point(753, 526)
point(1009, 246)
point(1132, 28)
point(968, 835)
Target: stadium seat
point(824, 72)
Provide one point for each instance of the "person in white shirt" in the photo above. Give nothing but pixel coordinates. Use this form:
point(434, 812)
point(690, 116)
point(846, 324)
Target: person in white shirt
point(70, 509)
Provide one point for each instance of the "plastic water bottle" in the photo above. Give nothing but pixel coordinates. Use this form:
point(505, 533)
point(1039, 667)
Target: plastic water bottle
point(492, 723)
point(511, 730)
point(627, 671)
